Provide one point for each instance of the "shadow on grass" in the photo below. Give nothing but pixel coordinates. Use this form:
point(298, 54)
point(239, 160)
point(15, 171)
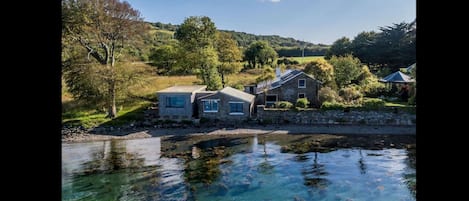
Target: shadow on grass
point(132, 117)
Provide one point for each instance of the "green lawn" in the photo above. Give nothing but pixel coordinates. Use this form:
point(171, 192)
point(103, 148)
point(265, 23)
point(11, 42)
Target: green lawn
point(396, 104)
point(303, 60)
point(131, 109)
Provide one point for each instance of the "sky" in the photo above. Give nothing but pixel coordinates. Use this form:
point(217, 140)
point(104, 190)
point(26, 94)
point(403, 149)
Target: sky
point(316, 21)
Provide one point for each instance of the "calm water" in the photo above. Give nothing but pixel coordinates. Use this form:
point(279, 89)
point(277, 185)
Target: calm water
point(244, 168)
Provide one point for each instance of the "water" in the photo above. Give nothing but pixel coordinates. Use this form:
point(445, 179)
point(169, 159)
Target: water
point(240, 168)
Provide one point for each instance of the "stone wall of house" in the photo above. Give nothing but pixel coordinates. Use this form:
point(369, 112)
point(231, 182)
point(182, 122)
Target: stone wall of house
point(268, 115)
point(223, 112)
point(289, 91)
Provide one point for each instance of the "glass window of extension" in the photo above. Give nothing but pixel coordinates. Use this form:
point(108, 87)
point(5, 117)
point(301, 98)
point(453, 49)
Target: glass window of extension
point(301, 83)
point(175, 101)
point(236, 108)
point(301, 95)
point(210, 105)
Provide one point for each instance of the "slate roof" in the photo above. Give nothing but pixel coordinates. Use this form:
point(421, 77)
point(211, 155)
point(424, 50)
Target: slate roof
point(183, 89)
point(397, 77)
point(233, 93)
point(279, 81)
point(237, 94)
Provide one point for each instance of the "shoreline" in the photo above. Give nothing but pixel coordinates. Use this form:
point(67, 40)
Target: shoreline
point(268, 129)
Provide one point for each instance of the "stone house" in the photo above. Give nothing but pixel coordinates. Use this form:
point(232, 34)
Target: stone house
point(179, 102)
point(227, 104)
point(289, 86)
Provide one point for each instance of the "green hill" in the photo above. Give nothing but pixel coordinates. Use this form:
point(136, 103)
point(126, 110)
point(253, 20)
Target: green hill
point(285, 47)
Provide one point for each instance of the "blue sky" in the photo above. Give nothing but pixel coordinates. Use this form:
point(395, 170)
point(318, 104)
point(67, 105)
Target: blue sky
point(317, 21)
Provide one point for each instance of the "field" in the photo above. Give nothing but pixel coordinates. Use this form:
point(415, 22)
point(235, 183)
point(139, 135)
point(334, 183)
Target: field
point(304, 60)
point(131, 109)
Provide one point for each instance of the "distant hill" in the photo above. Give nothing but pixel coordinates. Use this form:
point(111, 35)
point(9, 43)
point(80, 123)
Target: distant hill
point(285, 47)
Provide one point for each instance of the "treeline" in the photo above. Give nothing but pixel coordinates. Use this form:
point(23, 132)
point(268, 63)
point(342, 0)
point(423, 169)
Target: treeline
point(285, 47)
point(388, 50)
point(298, 52)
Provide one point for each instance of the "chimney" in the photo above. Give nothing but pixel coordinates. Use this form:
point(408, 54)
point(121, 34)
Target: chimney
point(277, 72)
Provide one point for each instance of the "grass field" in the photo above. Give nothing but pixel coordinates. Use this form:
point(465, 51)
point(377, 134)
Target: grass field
point(303, 60)
point(131, 109)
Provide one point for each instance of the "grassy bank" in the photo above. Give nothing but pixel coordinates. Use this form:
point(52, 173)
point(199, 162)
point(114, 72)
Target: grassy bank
point(304, 60)
point(131, 109)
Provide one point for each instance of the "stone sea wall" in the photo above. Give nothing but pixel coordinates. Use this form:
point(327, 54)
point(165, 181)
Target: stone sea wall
point(278, 116)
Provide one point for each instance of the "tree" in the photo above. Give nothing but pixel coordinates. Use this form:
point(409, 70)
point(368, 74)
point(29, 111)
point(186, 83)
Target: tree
point(346, 69)
point(229, 55)
point(260, 52)
point(165, 57)
point(103, 28)
point(340, 47)
point(394, 47)
point(196, 37)
point(196, 32)
point(369, 84)
point(323, 71)
point(362, 46)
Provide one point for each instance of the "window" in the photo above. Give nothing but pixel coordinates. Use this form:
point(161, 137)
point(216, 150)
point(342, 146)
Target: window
point(270, 100)
point(210, 105)
point(301, 83)
point(175, 101)
point(301, 95)
point(236, 108)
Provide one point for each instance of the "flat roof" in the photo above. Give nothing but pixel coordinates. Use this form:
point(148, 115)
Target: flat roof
point(183, 89)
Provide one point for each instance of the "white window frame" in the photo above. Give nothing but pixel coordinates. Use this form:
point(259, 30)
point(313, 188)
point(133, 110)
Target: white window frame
point(235, 113)
point(211, 100)
point(304, 94)
point(301, 87)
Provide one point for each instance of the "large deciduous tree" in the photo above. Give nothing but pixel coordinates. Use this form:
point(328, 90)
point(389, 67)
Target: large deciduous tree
point(229, 55)
point(340, 47)
point(362, 46)
point(260, 52)
point(346, 69)
point(165, 58)
point(196, 37)
point(103, 28)
point(323, 71)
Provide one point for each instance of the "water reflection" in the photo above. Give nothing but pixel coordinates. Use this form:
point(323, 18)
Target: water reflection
point(361, 163)
point(120, 170)
point(265, 167)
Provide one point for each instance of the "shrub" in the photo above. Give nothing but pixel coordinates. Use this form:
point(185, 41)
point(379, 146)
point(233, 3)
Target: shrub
point(332, 106)
point(329, 95)
point(239, 87)
point(283, 104)
point(411, 100)
point(187, 122)
point(204, 120)
point(371, 87)
point(302, 103)
point(373, 103)
point(351, 94)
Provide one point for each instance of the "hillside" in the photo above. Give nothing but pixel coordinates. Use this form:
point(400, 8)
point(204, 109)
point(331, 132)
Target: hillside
point(285, 47)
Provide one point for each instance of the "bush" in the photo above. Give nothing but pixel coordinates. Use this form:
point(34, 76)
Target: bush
point(329, 95)
point(412, 101)
point(302, 103)
point(283, 104)
point(373, 103)
point(351, 94)
point(371, 87)
point(332, 106)
point(239, 87)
